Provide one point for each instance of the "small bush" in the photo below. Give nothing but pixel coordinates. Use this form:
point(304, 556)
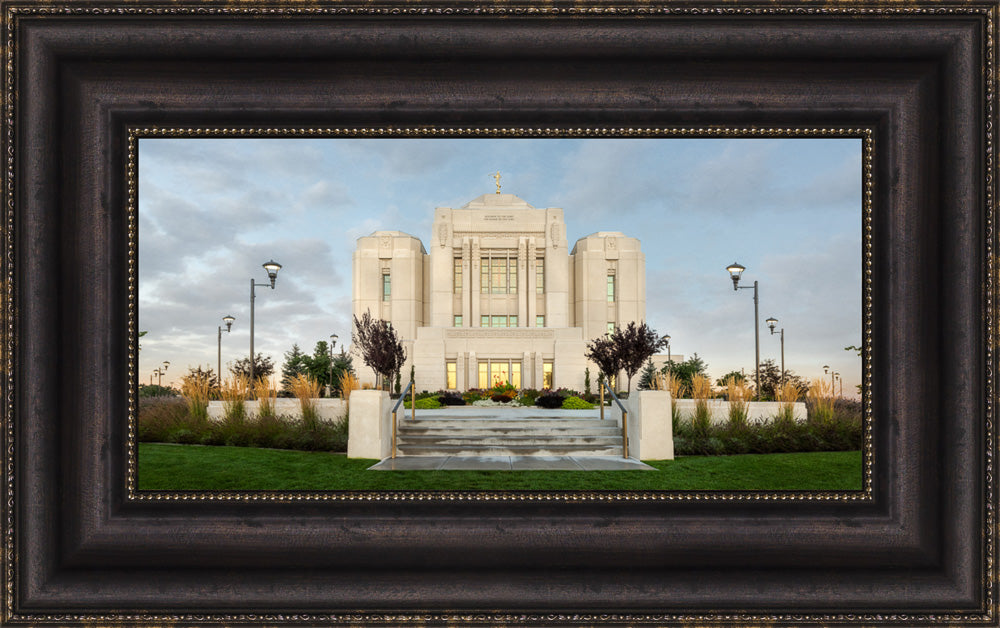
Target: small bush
point(425, 403)
point(575, 403)
point(550, 400)
point(528, 397)
point(504, 397)
point(155, 390)
point(451, 398)
point(472, 395)
point(159, 416)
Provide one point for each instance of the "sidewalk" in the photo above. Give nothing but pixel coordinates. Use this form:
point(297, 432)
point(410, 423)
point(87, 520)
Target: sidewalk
point(510, 463)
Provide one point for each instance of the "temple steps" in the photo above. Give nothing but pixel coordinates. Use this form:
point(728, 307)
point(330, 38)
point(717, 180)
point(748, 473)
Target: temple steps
point(493, 436)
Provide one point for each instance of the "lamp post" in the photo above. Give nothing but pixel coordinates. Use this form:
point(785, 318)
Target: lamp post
point(333, 343)
point(156, 371)
point(229, 327)
point(771, 322)
point(160, 372)
point(841, 380)
point(272, 267)
point(826, 369)
point(667, 338)
point(735, 270)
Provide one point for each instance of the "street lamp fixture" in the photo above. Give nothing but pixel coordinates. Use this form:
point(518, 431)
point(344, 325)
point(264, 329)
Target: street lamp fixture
point(229, 327)
point(735, 272)
point(826, 369)
point(272, 267)
point(771, 322)
point(667, 338)
point(841, 380)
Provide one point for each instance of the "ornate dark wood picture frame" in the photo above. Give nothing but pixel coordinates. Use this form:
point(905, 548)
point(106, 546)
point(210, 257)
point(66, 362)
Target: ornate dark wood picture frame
point(82, 546)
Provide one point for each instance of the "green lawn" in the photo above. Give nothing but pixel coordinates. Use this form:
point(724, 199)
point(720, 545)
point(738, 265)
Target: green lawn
point(195, 467)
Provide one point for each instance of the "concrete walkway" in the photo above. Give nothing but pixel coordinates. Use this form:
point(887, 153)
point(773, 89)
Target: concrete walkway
point(510, 463)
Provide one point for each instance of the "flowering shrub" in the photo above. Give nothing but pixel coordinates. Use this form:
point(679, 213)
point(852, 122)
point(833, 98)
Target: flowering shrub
point(550, 399)
point(575, 403)
point(451, 398)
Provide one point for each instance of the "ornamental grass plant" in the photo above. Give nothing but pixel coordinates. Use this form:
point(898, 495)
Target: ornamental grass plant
point(306, 390)
point(788, 393)
point(234, 396)
point(266, 394)
point(739, 395)
point(701, 392)
point(819, 401)
point(195, 391)
point(348, 383)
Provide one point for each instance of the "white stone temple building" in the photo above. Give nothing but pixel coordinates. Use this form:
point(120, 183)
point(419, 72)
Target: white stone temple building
point(498, 295)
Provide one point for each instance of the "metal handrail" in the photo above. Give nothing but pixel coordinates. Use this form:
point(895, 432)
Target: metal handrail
point(413, 407)
point(603, 385)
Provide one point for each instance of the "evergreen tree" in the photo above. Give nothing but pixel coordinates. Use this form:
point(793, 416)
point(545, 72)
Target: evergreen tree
point(318, 365)
point(686, 370)
point(646, 377)
point(263, 367)
point(296, 363)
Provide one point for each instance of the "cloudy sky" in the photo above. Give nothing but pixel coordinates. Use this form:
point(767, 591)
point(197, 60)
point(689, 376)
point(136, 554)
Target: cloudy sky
point(211, 211)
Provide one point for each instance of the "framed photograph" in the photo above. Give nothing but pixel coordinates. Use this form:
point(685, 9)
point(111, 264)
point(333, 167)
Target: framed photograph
point(153, 149)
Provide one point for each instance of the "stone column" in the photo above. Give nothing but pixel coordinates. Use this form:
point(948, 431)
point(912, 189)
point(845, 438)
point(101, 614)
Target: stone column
point(467, 294)
point(531, 286)
point(537, 375)
point(522, 284)
point(474, 292)
point(473, 370)
point(461, 371)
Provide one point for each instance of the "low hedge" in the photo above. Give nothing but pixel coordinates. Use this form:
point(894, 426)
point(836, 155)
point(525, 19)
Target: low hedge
point(842, 433)
point(166, 420)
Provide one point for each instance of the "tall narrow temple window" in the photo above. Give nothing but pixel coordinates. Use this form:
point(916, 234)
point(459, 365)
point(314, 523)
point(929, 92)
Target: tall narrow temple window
point(512, 320)
point(484, 321)
point(458, 320)
point(547, 374)
point(499, 278)
point(540, 320)
point(498, 373)
point(484, 375)
point(458, 275)
point(540, 275)
point(515, 374)
point(451, 374)
point(499, 321)
point(611, 288)
point(386, 286)
point(484, 275)
point(611, 328)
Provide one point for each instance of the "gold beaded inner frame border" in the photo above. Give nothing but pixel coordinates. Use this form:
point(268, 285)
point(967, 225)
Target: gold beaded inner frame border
point(868, 149)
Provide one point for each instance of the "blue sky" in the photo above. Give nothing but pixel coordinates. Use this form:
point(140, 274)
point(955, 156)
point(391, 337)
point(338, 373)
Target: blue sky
point(211, 211)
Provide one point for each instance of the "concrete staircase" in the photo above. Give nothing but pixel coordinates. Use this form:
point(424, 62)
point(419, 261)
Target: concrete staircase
point(446, 434)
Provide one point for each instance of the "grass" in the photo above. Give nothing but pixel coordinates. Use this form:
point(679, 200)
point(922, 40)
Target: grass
point(193, 467)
